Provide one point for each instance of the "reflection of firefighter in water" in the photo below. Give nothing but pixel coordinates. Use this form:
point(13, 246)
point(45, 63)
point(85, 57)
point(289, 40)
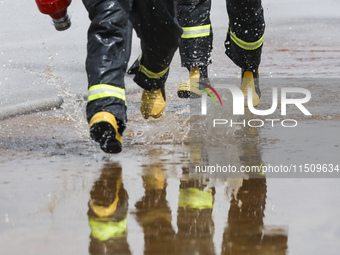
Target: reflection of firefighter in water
point(154, 214)
point(107, 213)
point(194, 219)
point(245, 232)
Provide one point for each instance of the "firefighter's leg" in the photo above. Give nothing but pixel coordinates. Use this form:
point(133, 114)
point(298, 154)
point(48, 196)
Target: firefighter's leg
point(155, 24)
point(196, 43)
point(108, 51)
point(244, 43)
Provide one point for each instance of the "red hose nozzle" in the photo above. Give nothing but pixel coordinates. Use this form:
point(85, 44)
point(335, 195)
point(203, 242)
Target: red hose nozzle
point(57, 9)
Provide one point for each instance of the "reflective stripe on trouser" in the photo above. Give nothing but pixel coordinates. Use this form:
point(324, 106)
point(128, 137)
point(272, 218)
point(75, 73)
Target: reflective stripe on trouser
point(196, 42)
point(245, 33)
point(195, 32)
point(105, 90)
point(146, 78)
point(246, 45)
point(150, 74)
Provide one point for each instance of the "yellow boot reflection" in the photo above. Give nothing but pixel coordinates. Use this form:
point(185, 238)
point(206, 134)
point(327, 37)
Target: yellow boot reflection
point(194, 217)
point(108, 207)
point(153, 213)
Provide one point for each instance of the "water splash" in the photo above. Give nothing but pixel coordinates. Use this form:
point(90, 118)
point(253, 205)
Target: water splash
point(172, 128)
point(74, 104)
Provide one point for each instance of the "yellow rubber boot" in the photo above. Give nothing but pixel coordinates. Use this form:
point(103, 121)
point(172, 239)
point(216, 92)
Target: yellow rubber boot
point(153, 103)
point(251, 80)
point(104, 130)
point(190, 87)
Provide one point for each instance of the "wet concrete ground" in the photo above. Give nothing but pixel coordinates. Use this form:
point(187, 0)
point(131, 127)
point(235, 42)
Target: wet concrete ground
point(59, 194)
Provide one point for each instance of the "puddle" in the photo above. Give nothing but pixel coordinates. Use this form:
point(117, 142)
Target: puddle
point(62, 191)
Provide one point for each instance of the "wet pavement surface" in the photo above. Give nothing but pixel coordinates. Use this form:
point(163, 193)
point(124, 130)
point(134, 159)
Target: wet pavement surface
point(60, 194)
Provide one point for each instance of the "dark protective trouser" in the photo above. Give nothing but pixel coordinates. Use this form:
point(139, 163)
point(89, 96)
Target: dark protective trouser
point(196, 42)
point(109, 47)
point(244, 37)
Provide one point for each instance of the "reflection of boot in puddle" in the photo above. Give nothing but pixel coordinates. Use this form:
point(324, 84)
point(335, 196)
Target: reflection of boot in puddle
point(194, 218)
point(107, 213)
point(245, 232)
point(154, 215)
point(250, 150)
